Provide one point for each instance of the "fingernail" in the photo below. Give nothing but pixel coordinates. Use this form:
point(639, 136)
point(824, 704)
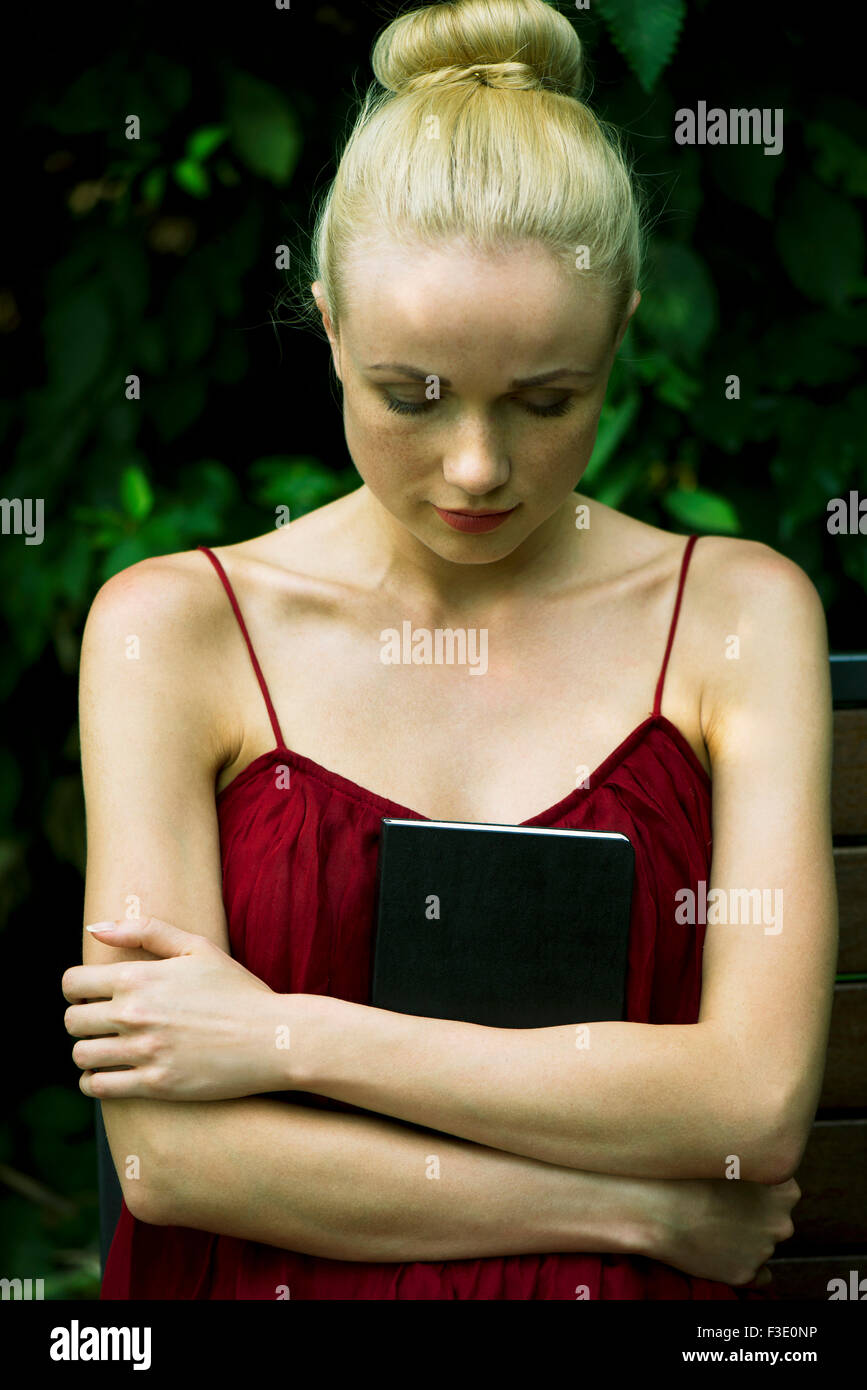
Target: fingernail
point(102, 926)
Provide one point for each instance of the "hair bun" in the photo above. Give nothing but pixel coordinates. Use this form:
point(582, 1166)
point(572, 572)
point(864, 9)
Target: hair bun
point(520, 76)
point(519, 44)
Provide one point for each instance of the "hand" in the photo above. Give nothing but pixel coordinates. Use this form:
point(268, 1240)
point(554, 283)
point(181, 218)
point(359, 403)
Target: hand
point(194, 1025)
point(723, 1229)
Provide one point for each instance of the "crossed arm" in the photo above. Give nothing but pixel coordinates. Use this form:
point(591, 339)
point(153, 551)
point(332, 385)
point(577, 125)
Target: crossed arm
point(668, 1101)
point(656, 1100)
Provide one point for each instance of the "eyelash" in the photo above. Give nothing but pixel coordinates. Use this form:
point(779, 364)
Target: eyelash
point(416, 408)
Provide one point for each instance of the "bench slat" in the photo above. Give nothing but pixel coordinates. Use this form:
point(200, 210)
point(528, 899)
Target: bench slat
point(832, 1212)
point(808, 1278)
point(845, 1082)
point(849, 775)
point(850, 866)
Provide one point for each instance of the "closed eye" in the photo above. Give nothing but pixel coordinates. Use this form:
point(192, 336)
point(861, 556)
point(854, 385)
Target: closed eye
point(558, 407)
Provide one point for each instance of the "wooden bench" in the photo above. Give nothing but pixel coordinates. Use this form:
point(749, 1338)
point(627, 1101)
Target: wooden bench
point(830, 1239)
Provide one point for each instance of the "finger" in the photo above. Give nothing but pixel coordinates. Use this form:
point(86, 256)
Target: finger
point(81, 983)
point(150, 933)
point(124, 1084)
point(763, 1277)
point(92, 1054)
point(90, 1020)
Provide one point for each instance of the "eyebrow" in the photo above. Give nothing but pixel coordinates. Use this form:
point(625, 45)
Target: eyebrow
point(538, 380)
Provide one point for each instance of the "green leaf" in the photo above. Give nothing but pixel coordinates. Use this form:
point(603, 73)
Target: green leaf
point(219, 274)
point(149, 347)
point(301, 484)
point(153, 185)
point(79, 1283)
point(820, 239)
point(136, 493)
point(189, 317)
point(679, 307)
point(87, 105)
point(73, 567)
point(211, 483)
point(125, 553)
point(853, 555)
point(746, 174)
point(170, 81)
point(700, 510)
point(78, 333)
point(614, 421)
point(10, 786)
point(57, 1111)
point(95, 516)
point(191, 177)
point(646, 33)
point(119, 423)
point(204, 141)
point(109, 535)
point(837, 157)
point(614, 488)
point(231, 359)
point(126, 272)
point(240, 245)
point(63, 820)
point(801, 352)
point(174, 404)
point(850, 326)
point(724, 422)
point(80, 263)
point(264, 130)
point(675, 387)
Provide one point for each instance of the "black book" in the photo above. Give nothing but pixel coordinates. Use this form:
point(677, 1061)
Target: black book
point(507, 926)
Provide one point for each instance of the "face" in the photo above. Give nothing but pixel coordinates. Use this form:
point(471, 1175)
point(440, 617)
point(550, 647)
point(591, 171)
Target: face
point(439, 353)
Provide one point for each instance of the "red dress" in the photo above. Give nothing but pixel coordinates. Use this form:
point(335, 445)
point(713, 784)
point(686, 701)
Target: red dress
point(299, 875)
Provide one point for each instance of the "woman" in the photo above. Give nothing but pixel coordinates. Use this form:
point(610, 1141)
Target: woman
point(477, 262)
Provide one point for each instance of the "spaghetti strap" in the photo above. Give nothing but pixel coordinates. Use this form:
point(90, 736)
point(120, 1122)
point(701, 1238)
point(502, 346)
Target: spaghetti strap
point(684, 565)
point(256, 667)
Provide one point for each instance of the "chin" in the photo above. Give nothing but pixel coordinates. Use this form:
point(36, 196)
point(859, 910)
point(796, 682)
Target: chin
point(465, 550)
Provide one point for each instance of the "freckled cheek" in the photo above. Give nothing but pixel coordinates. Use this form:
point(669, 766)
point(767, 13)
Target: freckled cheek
point(390, 467)
point(582, 436)
point(392, 459)
point(559, 467)
point(586, 434)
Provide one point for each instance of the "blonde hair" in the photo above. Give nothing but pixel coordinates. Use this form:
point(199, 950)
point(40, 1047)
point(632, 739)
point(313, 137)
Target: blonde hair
point(480, 137)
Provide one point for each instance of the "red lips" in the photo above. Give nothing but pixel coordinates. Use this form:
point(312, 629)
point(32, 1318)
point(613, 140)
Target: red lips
point(473, 521)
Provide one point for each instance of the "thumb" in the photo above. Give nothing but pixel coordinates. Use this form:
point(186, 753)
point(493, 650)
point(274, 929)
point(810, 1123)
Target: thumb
point(150, 933)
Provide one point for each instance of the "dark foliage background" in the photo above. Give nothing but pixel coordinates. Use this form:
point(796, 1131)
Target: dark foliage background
point(157, 256)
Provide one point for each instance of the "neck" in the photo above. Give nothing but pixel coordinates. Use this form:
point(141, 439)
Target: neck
point(398, 562)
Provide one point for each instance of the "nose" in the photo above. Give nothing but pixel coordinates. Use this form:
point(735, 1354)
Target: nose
point(477, 462)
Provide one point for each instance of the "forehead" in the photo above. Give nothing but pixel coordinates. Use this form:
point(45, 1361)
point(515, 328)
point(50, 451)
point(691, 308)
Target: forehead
point(401, 300)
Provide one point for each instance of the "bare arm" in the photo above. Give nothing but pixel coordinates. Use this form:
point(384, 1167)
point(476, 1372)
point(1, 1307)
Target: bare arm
point(366, 1188)
point(357, 1187)
point(659, 1100)
point(352, 1186)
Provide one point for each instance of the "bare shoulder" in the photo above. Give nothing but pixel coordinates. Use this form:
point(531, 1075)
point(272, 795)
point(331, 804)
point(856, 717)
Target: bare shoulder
point(757, 595)
point(752, 572)
point(176, 599)
point(171, 585)
point(760, 623)
point(725, 574)
point(738, 594)
point(163, 618)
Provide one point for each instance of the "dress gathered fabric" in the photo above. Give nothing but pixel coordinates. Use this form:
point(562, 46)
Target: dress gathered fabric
point(299, 872)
